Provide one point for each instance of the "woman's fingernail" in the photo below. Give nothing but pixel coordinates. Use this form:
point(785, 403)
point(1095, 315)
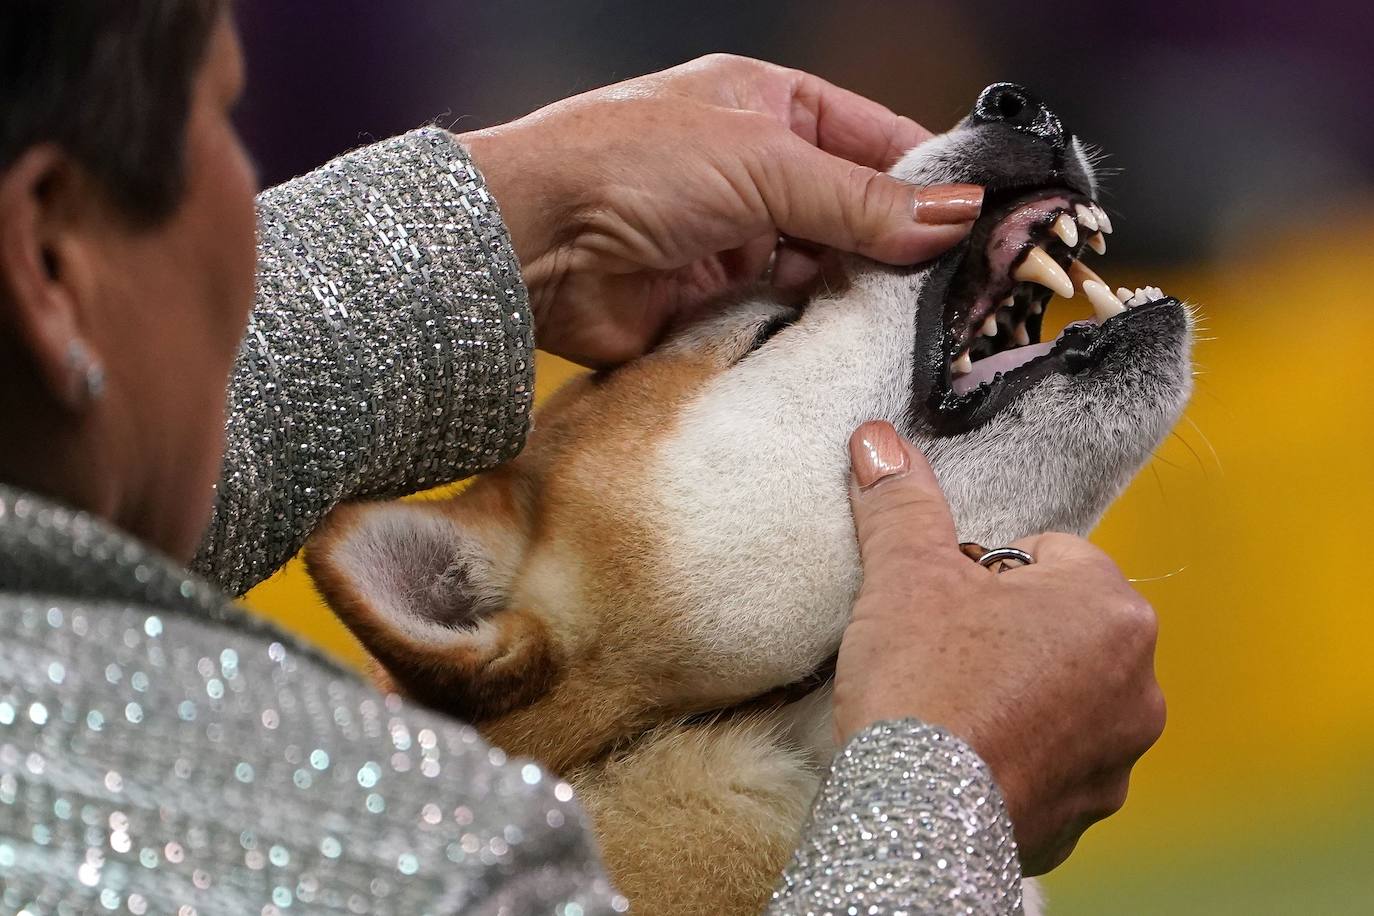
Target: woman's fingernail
point(876, 453)
point(942, 204)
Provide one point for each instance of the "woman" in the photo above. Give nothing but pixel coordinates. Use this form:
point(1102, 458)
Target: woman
point(160, 751)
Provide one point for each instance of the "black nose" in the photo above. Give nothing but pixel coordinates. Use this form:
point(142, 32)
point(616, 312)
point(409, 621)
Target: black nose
point(1014, 106)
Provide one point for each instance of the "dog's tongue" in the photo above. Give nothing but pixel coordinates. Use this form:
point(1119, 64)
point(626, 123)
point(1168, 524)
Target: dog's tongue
point(985, 369)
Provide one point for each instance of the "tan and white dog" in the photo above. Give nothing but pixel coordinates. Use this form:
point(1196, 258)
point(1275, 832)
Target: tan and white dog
point(675, 541)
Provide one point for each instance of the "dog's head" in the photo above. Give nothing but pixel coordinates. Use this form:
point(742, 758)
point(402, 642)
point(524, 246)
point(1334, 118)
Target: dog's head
point(676, 536)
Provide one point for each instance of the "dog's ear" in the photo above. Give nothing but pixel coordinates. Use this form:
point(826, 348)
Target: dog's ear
point(425, 590)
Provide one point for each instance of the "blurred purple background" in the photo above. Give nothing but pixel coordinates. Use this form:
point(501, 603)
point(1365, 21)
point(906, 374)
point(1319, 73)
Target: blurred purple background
point(1225, 117)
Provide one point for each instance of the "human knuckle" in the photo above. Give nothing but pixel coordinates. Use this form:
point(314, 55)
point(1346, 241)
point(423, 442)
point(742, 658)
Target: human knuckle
point(1105, 568)
point(1059, 540)
point(1133, 617)
point(1056, 546)
point(903, 496)
point(722, 60)
point(1156, 716)
point(890, 544)
point(1144, 620)
point(867, 187)
point(892, 513)
point(1115, 795)
point(1080, 551)
point(866, 181)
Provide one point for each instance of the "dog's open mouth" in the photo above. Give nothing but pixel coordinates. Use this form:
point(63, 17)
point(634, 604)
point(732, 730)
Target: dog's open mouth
point(1025, 249)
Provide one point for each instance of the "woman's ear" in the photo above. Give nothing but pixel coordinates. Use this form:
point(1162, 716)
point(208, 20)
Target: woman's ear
point(46, 280)
point(427, 596)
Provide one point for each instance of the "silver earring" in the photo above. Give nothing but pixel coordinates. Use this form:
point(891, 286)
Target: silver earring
point(88, 375)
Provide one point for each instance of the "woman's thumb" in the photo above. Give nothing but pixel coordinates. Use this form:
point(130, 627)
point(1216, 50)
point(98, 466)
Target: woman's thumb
point(900, 513)
point(832, 201)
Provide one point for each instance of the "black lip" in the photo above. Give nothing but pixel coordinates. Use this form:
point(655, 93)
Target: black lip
point(1082, 348)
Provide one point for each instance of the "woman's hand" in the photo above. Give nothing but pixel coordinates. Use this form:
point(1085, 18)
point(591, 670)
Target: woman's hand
point(1047, 671)
point(635, 206)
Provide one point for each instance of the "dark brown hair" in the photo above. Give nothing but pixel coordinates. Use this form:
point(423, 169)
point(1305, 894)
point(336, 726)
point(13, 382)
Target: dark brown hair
point(110, 82)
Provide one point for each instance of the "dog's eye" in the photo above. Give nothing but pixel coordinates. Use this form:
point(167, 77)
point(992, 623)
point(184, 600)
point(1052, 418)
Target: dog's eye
point(769, 329)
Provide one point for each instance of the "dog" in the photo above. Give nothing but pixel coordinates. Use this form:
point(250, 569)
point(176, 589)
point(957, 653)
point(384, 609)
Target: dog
point(624, 600)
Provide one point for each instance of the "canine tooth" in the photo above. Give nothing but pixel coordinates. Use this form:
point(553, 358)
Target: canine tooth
point(1079, 273)
point(1104, 303)
point(1066, 229)
point(1085, 217)
point(990, 326)
point(1097, 243)
point(963, 365)
point(1039, 267)
point(1123, 294)
point(1020, 335)
point(1104, 223)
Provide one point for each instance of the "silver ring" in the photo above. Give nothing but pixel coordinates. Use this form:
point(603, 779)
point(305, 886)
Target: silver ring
point(1000, 554)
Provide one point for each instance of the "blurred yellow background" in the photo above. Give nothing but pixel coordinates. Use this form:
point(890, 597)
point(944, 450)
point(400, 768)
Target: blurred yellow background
point(1247, 534)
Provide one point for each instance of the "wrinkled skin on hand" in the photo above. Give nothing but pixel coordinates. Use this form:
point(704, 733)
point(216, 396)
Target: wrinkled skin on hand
point(636, 206)
point(1047, 671)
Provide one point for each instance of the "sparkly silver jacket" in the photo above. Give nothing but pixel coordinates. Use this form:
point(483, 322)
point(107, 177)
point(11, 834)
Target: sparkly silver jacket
point(163, 752)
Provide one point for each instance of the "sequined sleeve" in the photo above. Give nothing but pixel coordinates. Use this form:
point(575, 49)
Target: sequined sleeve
point(908, 820)
point(160, 763)
point(389, 349)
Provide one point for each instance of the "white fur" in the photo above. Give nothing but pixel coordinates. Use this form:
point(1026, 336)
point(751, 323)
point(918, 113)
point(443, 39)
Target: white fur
point(761, 543)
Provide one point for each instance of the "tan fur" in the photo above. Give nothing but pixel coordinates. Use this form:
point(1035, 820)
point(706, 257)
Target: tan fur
point(588, 677)
point(724, 802)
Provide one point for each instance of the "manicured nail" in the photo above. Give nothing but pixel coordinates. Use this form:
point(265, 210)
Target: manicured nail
point(876, 453)
point(943, 204)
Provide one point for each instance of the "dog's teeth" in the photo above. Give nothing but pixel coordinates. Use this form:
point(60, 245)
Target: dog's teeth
point(1020, 335)
point(1039, 267)
point(1123, 294)
point(1036, 308)
point(1097, 243)
point(1079, 272)
point(1103, 222)
point(1066, 229)
point(1139, 297)
point(990, 326)
point(1085, 217)
point(963, 365)
point(1156, 292)
point(1104, 303)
